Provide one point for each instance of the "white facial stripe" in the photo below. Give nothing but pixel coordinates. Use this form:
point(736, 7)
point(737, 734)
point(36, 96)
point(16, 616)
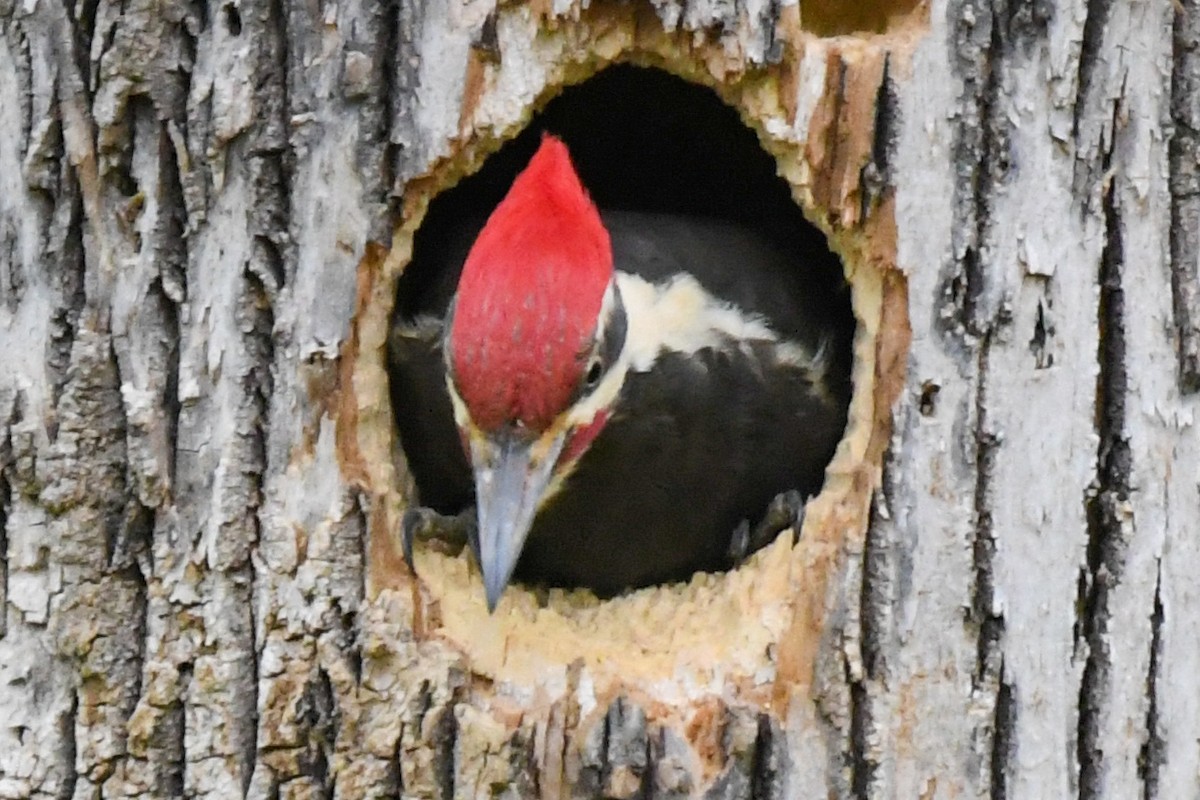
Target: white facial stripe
point(606, 304)
point(680, 316)
point(584, 411)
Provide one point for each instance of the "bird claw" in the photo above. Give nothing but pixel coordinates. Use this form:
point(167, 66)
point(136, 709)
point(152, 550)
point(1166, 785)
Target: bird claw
point(739, 543)
point(785, 511)
point(428, 525)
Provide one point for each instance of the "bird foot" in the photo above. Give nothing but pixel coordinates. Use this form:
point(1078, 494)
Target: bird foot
point(427, 525)
point(783, 512)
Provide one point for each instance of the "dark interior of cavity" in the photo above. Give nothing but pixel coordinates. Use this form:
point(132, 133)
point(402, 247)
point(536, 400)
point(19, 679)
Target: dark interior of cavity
point(643, 140)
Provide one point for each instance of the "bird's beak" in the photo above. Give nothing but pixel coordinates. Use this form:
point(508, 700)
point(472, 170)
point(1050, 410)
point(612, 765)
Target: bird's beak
point(512, 470)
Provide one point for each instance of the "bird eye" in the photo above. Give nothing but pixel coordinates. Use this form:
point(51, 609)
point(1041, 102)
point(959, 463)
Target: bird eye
point(595, 368)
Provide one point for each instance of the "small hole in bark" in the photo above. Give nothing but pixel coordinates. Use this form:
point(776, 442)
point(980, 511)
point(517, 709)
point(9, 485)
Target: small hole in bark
point(233, 19)
point(1043, 331)
point(646, 145)
point(929, 396)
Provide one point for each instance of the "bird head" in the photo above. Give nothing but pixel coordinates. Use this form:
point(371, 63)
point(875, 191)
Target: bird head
point(534, 331)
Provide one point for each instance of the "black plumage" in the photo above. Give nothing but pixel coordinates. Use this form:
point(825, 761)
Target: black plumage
point(694, 446)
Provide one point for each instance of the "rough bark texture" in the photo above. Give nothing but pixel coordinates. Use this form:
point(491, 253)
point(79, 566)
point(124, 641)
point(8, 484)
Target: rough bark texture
point(204, 207)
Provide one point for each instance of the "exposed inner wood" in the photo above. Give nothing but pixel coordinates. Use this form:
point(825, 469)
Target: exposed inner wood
point(835, 18)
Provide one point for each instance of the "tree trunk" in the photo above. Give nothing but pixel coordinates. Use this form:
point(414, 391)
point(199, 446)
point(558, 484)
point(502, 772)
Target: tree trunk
point(205, 210)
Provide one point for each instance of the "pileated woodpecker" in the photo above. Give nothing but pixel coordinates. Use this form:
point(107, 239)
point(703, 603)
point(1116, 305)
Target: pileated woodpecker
point(619, 392)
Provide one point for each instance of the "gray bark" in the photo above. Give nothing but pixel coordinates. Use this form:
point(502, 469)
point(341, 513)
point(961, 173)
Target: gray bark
point(204, 208)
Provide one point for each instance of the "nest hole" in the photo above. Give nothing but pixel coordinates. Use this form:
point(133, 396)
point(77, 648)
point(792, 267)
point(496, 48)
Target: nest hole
point(641, 139)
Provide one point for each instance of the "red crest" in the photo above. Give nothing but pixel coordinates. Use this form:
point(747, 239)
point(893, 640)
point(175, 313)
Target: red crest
point(529, 297)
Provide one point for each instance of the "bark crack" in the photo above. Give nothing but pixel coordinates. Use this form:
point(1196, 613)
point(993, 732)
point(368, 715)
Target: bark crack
point(390, 89)
point(989, 668)
point(1153, 755)
point(991, 624)
point(272, 161)
point(395, 767)
point(270, 164)
point(877, 600)
point(172, 729)
point(1107, 506)
point(1043, 331)
point(982, 186)
point(171, 287)
point(616, 754)
point(6, 466)
point(877, 585)
point(82, 14)
point(68, 748)
point(368, 81)
point(319, 711)
point(523, 778)
point(876, 175)
point(1184, 171)
point(67, 267)
point(406, 158)
point(1004, 725)
point(1090, 48)
point(981, 150)
point(444, 740)
point(862, 766)
point(770, 760)
point(18, 46)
